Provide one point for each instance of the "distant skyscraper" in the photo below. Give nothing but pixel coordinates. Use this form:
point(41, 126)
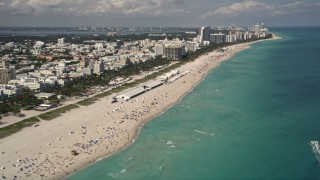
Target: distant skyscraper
point(217, 38)
point(6, 73)
point(91, 63)
point(4, 64)
point(98, 67)
point(119, 44)
point(61, 41)
point(84, 63)
point(233, 27)
point(231, 38)
point(257, 29)
point(191, 46)
point(204, 34)
point(4, 76)
point(158, 49)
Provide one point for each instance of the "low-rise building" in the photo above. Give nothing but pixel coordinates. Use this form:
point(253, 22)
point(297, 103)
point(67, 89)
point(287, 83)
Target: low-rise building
point(44, 95)
point(131, 93)
point(7, 90)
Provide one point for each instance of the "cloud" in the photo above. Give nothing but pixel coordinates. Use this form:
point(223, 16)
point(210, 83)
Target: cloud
point(252, 8)
point(91, 8)
point(235, 8)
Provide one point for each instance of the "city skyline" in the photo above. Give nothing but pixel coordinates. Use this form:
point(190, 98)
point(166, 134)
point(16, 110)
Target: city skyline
point(158, 13)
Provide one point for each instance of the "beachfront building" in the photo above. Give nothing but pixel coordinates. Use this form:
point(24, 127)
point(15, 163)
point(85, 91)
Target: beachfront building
point(152, 85)
point(204, 34)
point(217, 38)
point(174, 51)
point(168, 75)
point(132, 93)
point(159, 49)
point(139, 90)
point(231, 38)
point(260, 30)
point(191, 46)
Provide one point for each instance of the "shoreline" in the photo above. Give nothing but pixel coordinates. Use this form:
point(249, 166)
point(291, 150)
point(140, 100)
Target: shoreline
point(53, 159)
point(139, 128)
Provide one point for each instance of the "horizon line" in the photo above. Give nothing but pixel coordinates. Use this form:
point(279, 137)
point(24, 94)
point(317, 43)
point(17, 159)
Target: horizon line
point(276, 26)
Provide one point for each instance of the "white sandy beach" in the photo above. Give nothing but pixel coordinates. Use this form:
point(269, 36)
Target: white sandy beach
point(99, 130)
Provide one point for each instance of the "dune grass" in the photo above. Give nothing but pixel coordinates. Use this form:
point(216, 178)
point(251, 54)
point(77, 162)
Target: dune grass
point(13, 128)
point(57, 112)
point(87, 101)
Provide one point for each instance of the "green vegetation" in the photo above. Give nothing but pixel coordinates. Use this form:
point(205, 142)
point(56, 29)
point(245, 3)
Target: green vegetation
point(104, 94)
point(5, 52)
point(13, 128)
point(37, 61)
point(16, 102)
point(77, 39)
point(57, 112)
point(5, 108)
point(62, 57)
point(87, 102)
point(77, 86)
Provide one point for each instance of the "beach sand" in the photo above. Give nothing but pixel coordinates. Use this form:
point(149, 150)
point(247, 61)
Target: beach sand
point(97, 130)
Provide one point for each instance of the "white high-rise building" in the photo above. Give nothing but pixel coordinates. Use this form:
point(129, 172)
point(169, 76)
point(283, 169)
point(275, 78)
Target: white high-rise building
point(98, 67)
point(217, 38)
point(231, 38)
point(98, 46)
point(245, 36)
point(158, 49)
point(257, 29)
point(6, 72)
point(61, 41)
point(91, 63)
point(38, 45)
point(204, 34)
point(191, 46)
point(174, 51)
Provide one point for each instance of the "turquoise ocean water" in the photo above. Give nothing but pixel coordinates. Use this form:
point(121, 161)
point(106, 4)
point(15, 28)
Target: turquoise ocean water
point(251, 118)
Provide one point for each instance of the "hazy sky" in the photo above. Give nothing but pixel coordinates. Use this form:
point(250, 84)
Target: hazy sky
point(158, 12)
